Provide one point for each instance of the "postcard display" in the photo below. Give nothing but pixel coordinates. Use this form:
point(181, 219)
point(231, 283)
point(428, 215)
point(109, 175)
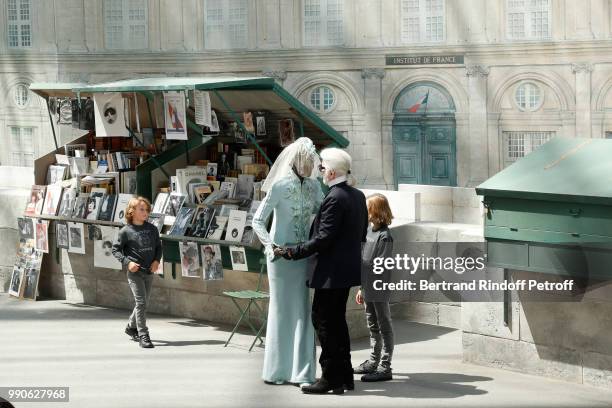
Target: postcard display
point(204, 214)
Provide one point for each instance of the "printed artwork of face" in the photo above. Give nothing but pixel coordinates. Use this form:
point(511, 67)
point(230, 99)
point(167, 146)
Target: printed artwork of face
point(110, 113)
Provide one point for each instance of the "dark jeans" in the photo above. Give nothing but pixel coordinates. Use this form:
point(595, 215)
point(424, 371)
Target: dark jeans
point(329, 321)
point(140, 283)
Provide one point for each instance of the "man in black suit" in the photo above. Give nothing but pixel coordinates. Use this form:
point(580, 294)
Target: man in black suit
point(336, 236)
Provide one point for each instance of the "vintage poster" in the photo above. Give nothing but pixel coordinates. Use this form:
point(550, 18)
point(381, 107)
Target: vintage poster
point(174, 116)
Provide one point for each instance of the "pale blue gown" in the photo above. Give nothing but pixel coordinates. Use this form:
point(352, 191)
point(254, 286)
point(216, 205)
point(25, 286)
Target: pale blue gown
point(290, 339)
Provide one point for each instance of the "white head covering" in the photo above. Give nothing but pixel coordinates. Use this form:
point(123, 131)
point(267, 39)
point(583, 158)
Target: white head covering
point(298, 153)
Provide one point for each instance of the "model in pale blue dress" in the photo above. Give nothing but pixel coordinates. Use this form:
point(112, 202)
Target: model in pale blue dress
point(290, 339)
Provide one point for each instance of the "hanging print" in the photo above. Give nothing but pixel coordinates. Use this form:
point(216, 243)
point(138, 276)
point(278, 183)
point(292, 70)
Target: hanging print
point(174, 115)
point(110, 115)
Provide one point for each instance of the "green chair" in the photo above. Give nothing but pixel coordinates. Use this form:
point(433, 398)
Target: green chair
point(253, 296)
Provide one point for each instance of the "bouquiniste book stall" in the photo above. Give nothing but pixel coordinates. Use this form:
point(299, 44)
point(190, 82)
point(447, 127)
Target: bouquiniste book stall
point(197, 148)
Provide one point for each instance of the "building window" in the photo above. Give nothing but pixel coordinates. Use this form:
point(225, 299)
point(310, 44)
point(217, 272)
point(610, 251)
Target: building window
point(19, 24)
point(322, 99)
point(21, 95)
point(226, 24)
point(528, 19)
point(519, 144)
point(528, 96)
point(422, 21)
point(126, 24)
point(21, 146)
point(323, 22)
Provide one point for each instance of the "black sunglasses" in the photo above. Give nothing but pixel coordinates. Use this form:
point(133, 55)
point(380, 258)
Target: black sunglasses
point(321, 168)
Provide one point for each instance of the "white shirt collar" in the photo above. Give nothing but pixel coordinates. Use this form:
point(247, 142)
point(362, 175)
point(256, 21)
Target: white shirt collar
point(337, 180)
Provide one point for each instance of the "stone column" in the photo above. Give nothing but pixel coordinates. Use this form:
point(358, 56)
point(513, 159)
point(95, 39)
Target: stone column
point(367, 142)
point(477, 122)
point(582, 72)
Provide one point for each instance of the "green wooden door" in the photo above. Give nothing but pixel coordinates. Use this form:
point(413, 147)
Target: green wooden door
point(425, 153)
point(424, 137)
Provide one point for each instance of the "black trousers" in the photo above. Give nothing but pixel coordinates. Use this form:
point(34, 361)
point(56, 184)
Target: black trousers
point(329, 321)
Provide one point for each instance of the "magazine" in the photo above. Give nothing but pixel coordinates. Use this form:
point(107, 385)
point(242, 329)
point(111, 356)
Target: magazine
point(160, 203)
point(201, 220)
point(76, 238)
point(56, 173)
point(235, 225)
point(52, 199)
point(80, 206)
point(122, 203)
point(93, 204)
point(42, 236)
point(157, 220)
point(216, 227)
point(107, 208)
point(244, 188)
point(182, 221)
point(173, 205)
point(61, 235)
point(37, 199)
point(67, 202)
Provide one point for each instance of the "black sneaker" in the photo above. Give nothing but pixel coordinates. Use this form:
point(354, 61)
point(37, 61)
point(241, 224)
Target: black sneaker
point(381, 374)
point(366, 367)
point(133, 333)
point(145, 341)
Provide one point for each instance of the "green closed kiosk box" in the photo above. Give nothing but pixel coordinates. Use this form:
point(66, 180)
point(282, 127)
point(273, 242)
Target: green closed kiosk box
point(551, 211)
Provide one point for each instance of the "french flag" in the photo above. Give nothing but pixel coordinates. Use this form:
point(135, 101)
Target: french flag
point(414, 108)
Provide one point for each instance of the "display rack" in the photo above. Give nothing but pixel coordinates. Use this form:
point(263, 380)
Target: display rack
point(229, 97)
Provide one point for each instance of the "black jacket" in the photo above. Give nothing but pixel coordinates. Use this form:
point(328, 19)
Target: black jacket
point(336, 236)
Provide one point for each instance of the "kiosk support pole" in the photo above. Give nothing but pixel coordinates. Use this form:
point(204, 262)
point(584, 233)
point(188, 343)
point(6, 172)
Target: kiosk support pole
point(51, 123)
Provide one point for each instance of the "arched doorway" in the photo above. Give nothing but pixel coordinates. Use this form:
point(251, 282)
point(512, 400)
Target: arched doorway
point(424, 136)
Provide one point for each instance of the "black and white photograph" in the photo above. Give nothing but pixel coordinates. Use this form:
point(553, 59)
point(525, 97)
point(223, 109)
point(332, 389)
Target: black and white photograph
point(191, 177)
point(42, 236)
point(201, 220)
point(238, 256)
point(67, 202)
point(248, 236)
point(103, 256)
point(110, 115)
point(216, 228)
point(16, 279)
point(80, 206)
point(211, 169)
point(76, 238)
point(190, 259)
point(122, 203)
point(30, 283)
point(182, 221)
point(56, 173)
point(200, 192)
point(52, 199)
point(26, 227)
point(212, 266)
point(107, 208)
point(244, 188)
point(94, 232)
point(173, 206)
point(260, 123)
point(160, 203)
point(235, 225)
point(94, 202)
point(61, 235)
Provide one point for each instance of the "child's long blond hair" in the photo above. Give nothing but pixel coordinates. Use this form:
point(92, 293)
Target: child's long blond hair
point(379, 211)
point(131, 207)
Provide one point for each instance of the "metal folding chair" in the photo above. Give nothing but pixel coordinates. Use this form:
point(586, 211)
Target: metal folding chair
point(253, 296)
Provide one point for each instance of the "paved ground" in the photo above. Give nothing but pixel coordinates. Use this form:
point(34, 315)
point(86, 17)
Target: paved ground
point(53, 343)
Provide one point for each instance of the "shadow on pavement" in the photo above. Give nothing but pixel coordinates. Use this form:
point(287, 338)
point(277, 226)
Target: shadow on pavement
point(423, 385)
point(164, 343)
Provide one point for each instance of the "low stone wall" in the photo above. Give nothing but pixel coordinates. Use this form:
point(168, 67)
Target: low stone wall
point(74, 278)
point(570, 341)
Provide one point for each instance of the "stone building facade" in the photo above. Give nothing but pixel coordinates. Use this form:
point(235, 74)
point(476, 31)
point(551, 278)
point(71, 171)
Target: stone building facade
point(522, 70)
